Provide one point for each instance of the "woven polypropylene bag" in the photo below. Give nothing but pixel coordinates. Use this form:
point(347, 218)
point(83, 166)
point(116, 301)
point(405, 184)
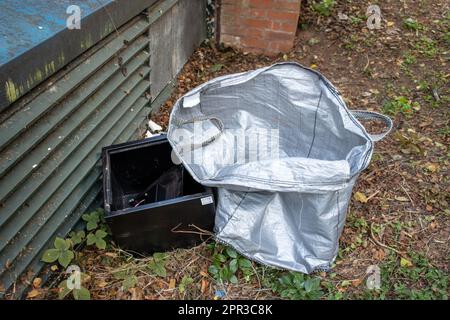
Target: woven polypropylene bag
point(282, 196)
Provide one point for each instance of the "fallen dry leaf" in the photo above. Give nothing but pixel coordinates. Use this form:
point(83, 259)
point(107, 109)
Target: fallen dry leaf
point(360, 197)
point(111, 254)
point(402, 199)
point(37, 282)
point(136, 293)
point(434, 225)
point(33, 293)
point(356, 282)
point(431, 167)
point(204, 285)
point(172, 283)
point(379, 254)
point(405, 263)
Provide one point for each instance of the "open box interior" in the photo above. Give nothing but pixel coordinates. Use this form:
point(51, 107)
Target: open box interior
point(146, 174)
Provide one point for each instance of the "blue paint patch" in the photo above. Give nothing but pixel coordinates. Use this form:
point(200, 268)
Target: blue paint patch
point(27, 23)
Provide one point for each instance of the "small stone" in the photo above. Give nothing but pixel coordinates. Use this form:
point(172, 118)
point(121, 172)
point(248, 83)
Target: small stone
point(342, 16)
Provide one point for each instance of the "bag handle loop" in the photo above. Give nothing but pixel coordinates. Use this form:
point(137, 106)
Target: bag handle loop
point(207, 140)
point(362, 115)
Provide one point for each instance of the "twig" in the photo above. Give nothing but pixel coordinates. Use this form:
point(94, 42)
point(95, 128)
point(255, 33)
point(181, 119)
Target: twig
point(407, 193)
point(201, 232)
point(257, 276)
point(373, 195)
point(382, 244)
point(367, 65)
point(139, 203)
point(190, 262)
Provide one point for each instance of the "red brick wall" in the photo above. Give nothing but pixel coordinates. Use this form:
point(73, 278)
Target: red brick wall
point(262, 26)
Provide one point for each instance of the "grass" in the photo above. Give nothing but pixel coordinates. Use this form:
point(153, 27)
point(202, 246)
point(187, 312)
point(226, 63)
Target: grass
point(411, 24)
point(399, 104)
point(427, 47)
point(415, 280)
point(323, 7)
point(409, 59)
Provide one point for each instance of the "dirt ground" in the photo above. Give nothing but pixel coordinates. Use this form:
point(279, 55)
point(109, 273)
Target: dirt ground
point(398, 219)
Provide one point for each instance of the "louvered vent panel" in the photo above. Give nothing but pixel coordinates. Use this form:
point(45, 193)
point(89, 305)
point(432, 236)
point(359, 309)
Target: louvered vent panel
point(50, 147)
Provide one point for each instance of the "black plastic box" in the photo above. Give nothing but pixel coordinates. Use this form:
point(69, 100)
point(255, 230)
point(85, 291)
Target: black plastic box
point(142, 219)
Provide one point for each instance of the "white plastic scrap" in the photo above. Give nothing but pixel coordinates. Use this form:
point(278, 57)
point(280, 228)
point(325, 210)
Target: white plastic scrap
point(154, 127)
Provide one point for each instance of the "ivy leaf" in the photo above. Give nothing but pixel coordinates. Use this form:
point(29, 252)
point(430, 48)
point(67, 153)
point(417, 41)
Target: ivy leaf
point(309, 285)
point(245, 263)
point(217, 67)
point(224, 273)
point(63, 290)
point(65, 257)
point(285, 280)
point(213, 270)
point(220, 258)
point(97, 239)
point(298, 280)
point(233, 279)
point(100, 234)
point(77, 237)
point(101, 244)
point(159, 256)
point(233, 266)
point(101, 214)
point(91, 226)
point(81, 294)
point(185, 282)
point(50, 255)
point(120, 274)
point(231, 253)
point(92, 219)
point(157, 264)
point(61, 244)
point(90, 240)
point(129, 282)
point(158, 268)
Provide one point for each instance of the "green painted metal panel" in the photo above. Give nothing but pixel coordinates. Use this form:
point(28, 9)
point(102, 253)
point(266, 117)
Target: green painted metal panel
point(19, 121)
point(50, 146)
point(157, 12)
point(51, 140)
point(50, 181)
point(66, 199)
point(106, 95)
point(37, 132)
